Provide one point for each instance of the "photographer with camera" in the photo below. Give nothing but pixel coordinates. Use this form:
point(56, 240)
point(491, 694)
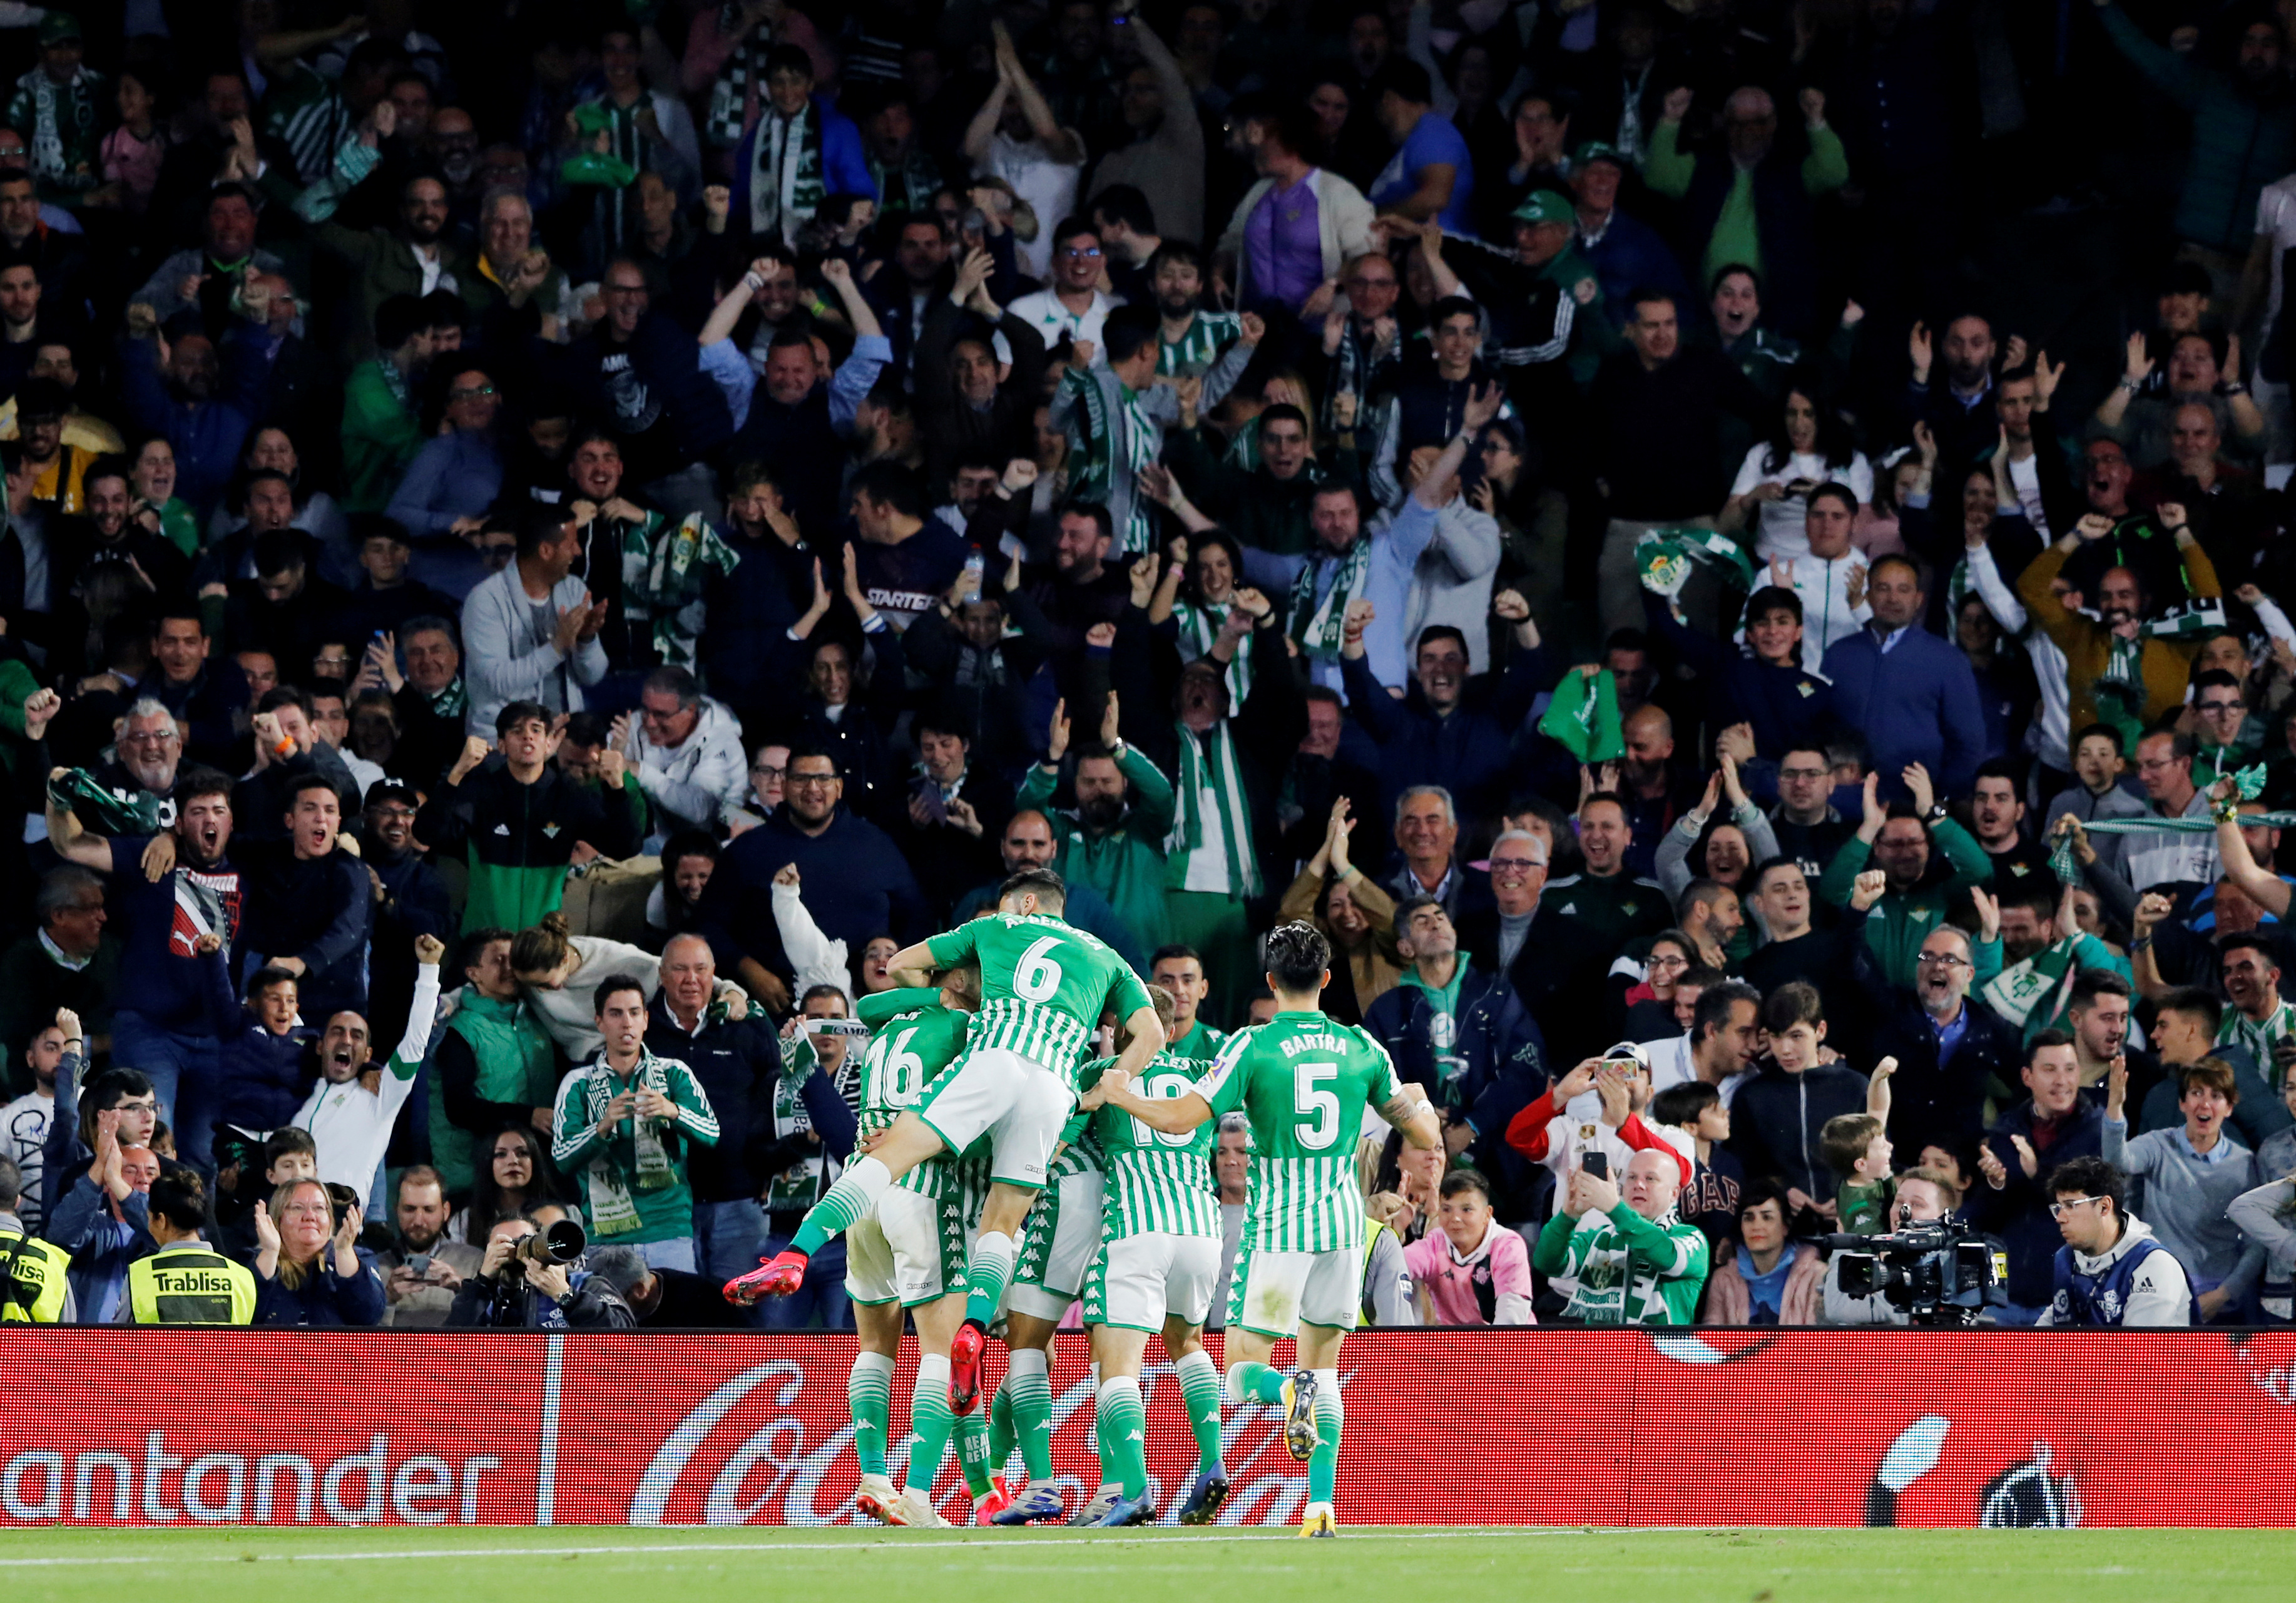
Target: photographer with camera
point(1633, 1261)
point(2110, 1271)
point(310, 1268)
point(525, 1283)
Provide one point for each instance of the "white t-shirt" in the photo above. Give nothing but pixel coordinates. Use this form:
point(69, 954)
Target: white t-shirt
point(1049, 186)
point(2275, 218)
point(1781, 532)
point(1044, 311)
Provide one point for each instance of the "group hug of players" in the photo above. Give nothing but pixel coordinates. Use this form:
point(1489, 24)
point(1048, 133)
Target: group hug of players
point(998, 1169)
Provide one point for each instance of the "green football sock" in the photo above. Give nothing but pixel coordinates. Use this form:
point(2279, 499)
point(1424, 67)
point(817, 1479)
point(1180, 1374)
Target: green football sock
point(1031, 1380)
point(932, 1419)
point(972, 1452)
point(1122, 1427)
point(1331, 1418)
point(869, 1394)
point(990, 1268)
point(1001, 1434)
point(1250, 1382)
point(856, 1192)
point(1199, 1394)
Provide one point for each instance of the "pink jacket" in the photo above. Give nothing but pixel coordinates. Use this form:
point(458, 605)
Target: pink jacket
point(1500, 1268)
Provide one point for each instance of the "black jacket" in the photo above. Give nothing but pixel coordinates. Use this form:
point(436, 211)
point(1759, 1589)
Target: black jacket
point(737, 1064)
point(480, 1303)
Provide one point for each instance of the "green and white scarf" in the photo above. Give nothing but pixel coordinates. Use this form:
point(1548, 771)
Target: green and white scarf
point(665, 578)
point(785, 181)
point(729, 95)
point(636, 1158)
point(2248, 785)
point(1199, 627)
point(1093, 460)
point(2016, 990)
point(1322, 627)
point(1664, 558)
point(1218, 773)
point(453, 702)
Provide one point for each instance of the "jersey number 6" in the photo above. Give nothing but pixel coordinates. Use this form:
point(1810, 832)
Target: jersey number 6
point(1036, 977)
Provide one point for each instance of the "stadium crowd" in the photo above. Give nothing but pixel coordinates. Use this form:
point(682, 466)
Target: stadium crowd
point(1731, 556)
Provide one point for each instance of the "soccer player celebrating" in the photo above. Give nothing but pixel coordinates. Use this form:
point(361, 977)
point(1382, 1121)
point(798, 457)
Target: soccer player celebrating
point(1045, 984)
point(906, 1256)
point(1303, 1079)
point(1159, 1260)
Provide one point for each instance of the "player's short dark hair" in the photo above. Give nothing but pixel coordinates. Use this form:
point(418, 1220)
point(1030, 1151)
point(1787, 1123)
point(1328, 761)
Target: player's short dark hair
point(1044, 884)
point(514, 713)
point(1171, 251)
point(1176, 949)
point(1408, 80)
point(2101, 731)
point(1125, 203)
point(1464, 1179)
point(613, 984)
point(1772, 598)
point(889, 484)
point(1128, 331)
point(2091, 984)
point(1297, 955)
point(1834, 491)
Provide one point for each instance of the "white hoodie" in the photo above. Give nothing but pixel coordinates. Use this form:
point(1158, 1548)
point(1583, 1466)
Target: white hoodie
point(2158, 1295)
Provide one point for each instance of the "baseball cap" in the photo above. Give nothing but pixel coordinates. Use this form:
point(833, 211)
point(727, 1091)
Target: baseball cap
point(58, 26)
point(1599, 150)
point(392, 790)
point(1545, 206)
point(1628, 1050)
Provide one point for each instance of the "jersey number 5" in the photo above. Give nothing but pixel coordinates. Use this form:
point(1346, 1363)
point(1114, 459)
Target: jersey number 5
point(1317, 1105)
point(1036, 977)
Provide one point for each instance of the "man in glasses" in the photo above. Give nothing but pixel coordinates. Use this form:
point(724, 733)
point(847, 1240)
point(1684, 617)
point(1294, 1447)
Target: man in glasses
point(2110, 1271)
point(1949, 1045)
point(2221, 741)
point(1072, 307)
point(687, 750)
point(2052, 1126)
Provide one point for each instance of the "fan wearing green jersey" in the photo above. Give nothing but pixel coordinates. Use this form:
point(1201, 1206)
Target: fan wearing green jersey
point(905, 1258)
point(1044, 985)
point(1304, 1081)
point(1159, 1260)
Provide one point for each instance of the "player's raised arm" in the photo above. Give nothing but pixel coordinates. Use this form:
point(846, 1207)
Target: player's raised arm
point(913, 965)
point(1414, 1115)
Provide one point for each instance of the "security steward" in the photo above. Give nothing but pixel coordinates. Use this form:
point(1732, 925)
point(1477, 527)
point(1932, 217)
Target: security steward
point(33, 1290)
point(186, 1282)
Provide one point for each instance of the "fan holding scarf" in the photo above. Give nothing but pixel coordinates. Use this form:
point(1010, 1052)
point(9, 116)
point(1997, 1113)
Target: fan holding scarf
point(798, 154)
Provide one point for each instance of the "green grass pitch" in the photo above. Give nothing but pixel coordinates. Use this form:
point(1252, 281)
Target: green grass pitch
point(1489, 1565)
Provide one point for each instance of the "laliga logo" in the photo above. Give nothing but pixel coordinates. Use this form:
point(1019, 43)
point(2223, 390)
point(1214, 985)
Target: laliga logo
point(779, 1444)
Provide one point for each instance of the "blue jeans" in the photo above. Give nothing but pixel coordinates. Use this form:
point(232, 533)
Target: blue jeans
point(823, 1293)
point(727, 1236)
point(184, 1070)
point(667, 1255)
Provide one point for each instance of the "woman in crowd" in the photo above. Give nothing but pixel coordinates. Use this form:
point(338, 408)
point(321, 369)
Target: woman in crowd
point(308, 1269)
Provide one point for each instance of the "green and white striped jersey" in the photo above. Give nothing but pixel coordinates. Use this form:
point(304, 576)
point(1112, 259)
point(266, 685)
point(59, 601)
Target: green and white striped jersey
point(1157, 1184)
point(1189, 356)
point(917, 1039)
point(1044, 983)
point(1304, 1081)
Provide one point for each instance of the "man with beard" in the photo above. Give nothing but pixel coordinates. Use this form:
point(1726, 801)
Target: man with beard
point(1963, 417)
point(2243, 129)
point(185, 282)
point(164, 1024)
point(1270, 509)
point(2117, 673)
point(350, 1113)
point(2047, 958)
point(1996, 818)
point(1583, 921)
point(1192, 342)
point(410, 898)
point(175, 385)
point(1123, 815)
point(966, 400)
point(1083, 588)
point(800, 417)
point(422, 1269)
point(1898, 840)
point(149, 748)
point(902, 294)
point(413, 258)
point(1028, 842)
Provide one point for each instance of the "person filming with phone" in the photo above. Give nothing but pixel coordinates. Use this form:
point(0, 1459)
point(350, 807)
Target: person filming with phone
point(1627, 1258)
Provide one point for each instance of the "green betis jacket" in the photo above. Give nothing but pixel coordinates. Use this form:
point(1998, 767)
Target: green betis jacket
point(517, 1067)
point(1903, 919)
point(1629, 1271)
point(380, 435)
point(1126, 866)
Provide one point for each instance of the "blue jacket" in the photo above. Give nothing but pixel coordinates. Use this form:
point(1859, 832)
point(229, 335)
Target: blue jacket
point(1775, 1122)
point(1630, 256)
point(1917, 702)
point(737, 1064)
point(856, 882)
point(325, 1298)
point(2019, 1212)
point(265, 1076)
point(844, 162)
point(1789, 708)
point(207, 435)
point(101, 1246)
point(319, 911)
point(1466, 752)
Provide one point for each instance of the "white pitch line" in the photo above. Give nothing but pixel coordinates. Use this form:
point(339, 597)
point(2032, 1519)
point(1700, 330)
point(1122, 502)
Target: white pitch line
point(541, 1551)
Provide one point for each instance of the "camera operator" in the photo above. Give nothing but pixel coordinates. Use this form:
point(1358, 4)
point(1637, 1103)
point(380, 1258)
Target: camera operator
point(513, 1291)
point(1924, 1196)
point(2110, 1271)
